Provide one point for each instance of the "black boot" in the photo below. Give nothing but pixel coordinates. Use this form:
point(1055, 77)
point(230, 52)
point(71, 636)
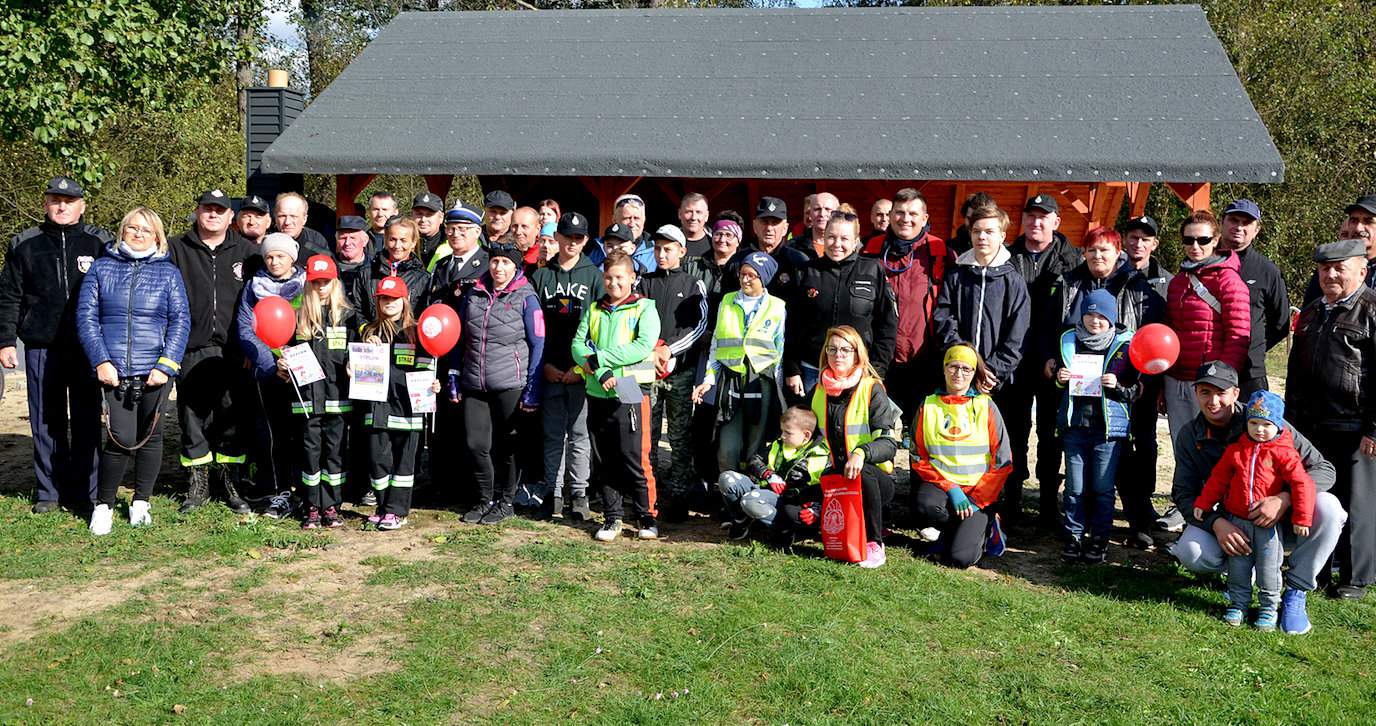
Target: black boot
point(198, 489)
point(230, 480)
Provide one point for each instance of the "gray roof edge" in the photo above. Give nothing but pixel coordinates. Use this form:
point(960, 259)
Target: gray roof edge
point(458, 15)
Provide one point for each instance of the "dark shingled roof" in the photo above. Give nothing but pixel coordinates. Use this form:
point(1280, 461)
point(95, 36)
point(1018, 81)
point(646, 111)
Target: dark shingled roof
point(1142, 93)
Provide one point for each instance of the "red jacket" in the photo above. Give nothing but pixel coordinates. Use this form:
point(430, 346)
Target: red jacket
point(915, 280)
point(1250, 471)
point(1206, 335)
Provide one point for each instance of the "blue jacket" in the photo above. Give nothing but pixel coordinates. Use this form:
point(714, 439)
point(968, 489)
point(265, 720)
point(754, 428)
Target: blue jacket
point(133, 314)
point(1116, 404)
point(643, 255)
point(263, 360)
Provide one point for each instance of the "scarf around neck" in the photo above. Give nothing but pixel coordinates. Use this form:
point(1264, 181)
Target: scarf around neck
point(1096, 342)
point(835, 386)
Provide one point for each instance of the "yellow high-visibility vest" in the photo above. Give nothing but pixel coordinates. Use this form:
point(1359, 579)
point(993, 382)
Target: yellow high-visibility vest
point(857, 420)
point(737, 343)
point(956, 436)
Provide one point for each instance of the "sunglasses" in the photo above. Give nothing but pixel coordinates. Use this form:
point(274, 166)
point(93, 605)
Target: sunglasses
point(845, 215)
point(1196, 241)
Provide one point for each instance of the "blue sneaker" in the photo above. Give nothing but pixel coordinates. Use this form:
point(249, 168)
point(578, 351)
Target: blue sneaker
point(995, 544)
point(1293, 618)
point(1266, 621)
point(1234, 616)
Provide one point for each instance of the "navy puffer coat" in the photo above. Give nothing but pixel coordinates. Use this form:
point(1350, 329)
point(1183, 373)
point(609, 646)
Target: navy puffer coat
point(133, 314)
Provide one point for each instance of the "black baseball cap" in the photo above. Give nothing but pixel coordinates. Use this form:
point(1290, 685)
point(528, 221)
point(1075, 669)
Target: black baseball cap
point(1366, 201)
point(572, 223)
point(1144, 223)
point(214, 197)
point(772, 207)
point(1217, 373)
point(499, 199)
point(426, 200)
point(1042, 203)
point(255, 203)
point(350, 223)
point(618, 231)
point(65, 186)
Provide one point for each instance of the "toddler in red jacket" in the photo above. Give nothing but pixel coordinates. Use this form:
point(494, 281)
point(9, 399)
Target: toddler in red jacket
point(1261, 464)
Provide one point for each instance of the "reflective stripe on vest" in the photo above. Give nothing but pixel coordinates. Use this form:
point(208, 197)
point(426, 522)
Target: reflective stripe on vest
point(857, 419)
point(737, 344)
point(956, 436)
point(642, 371)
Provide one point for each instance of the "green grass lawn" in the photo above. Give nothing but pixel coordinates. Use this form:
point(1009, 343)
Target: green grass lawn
point(209, 619)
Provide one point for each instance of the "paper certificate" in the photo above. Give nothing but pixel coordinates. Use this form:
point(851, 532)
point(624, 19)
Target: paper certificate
point(1085, 371)
point(305, 369)
point(419, 386)
point(369, 371)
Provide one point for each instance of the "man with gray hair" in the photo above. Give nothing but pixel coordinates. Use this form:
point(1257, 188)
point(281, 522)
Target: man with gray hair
point(1359, 222)
point(291, 210)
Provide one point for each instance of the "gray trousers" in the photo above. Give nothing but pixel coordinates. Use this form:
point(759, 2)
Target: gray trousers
point(1264, 562)
point(744, 496)
point(1198, 549)
point(568, 452)
point(1181, 405)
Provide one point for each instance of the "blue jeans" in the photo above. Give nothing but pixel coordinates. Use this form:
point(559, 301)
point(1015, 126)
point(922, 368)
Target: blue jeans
point(1090, 464)
point(1265, 560)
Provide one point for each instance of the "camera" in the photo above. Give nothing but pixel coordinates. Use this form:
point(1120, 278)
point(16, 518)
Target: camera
point(131, 389)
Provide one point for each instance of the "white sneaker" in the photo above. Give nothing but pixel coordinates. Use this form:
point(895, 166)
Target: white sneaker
point(138, 514)
point(609, 531)
point(650, 532)
point(101, 520)
point(874, 556)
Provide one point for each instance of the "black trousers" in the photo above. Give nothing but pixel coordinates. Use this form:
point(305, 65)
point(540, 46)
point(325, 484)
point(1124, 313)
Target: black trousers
point(1137, 470)
point(272, 433)
point(963, 538)
point(876, 492)
point(1355, 487)
point(489, 424)
point(618, 458)
point(449, 464)
point(135, 432)
point(1015, 403)
point(205, 407)
point(911, 381)
point(392, 459)
point(322, 459)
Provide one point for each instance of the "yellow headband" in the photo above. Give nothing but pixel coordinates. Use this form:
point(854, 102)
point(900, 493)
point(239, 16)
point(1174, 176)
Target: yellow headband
point(961, 353)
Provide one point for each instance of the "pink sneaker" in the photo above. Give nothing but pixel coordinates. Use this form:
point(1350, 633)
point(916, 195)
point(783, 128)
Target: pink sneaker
point(874, 556)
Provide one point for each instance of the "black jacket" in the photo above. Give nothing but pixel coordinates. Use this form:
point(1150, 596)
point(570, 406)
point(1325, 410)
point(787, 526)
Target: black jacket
point(410, 270)
point(681, 300)
point(349, 272)
point(450, 280)
point(312, 243)
point(1270, 309)
point(854, 292)
point(214, 279)
point(1040, 274)
point(987, 307)
point(1157, 276)
point(428, 245)
point(564, 296)
point(803, 245)
point(43, 269)
point(785, 283)
point(1138, 303)
point(1332, 376)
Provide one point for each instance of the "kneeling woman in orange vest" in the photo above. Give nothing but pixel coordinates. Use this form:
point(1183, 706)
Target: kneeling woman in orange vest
point(961, 459)
point(861, 427)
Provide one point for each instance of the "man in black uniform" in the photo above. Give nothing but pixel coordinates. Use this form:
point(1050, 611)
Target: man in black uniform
point(428, 211)
point(382, 206)
point(212, 260)
point(44, 266)
point(351, 243)
point(1270, 300)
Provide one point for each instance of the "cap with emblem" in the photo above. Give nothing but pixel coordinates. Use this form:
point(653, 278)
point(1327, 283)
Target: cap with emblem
point(572, 223)
point(771, 208)
point(499, 199)
point(64, 186)
point(1218, 374)
point(391, 286)
point(670, 232)
point(426, 200)
point(463, 214)
point(351, 223)
point(1243, 206)
point(1340, 250)
point(1144, 223)
point(618, 232)
point(1366, 202)
point(255, 203)
point(321, 267)
point(214, 198)
point(1042, 203)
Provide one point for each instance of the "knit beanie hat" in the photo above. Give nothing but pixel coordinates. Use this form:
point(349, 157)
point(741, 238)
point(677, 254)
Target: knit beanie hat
point(1267, 406)
point(1100, 302)
point(280, 242)
point(763, 265)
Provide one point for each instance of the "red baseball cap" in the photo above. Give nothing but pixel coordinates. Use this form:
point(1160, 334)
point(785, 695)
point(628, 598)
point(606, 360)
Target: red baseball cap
point(321, 267)
point(391, 286)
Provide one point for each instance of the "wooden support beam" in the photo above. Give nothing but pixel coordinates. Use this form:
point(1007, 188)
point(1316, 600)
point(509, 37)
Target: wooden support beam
point(1195, 196)
point(1137, 198)
point(347, 187)
point(439, 184)
point(958, 195)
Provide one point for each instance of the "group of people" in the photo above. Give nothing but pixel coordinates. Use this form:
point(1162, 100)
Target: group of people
point(768, 360)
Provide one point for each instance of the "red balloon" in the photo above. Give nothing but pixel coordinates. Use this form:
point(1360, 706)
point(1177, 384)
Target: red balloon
point(1154, 349)
point(439, 329)
point(274, 321)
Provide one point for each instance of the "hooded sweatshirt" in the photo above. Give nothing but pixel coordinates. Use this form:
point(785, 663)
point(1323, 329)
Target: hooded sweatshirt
point(564, 296)
point(987, 307)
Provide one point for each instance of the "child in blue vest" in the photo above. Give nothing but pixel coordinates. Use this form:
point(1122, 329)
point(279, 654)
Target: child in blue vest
point(1093, 421)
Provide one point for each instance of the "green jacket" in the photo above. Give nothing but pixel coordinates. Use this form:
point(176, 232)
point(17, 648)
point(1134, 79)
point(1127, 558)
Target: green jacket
point(617, 341)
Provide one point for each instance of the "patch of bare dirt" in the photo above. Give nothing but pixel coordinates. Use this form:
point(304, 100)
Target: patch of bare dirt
point(31, 609)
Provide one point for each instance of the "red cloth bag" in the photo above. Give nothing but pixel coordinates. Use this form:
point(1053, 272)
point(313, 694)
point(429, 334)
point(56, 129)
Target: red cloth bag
point(843, 518)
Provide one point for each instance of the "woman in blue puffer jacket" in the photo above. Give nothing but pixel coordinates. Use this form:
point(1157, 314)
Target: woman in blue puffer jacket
point(132, 319)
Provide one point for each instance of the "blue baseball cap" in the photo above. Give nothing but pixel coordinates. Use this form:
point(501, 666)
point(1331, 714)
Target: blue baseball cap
point(1243, 206)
